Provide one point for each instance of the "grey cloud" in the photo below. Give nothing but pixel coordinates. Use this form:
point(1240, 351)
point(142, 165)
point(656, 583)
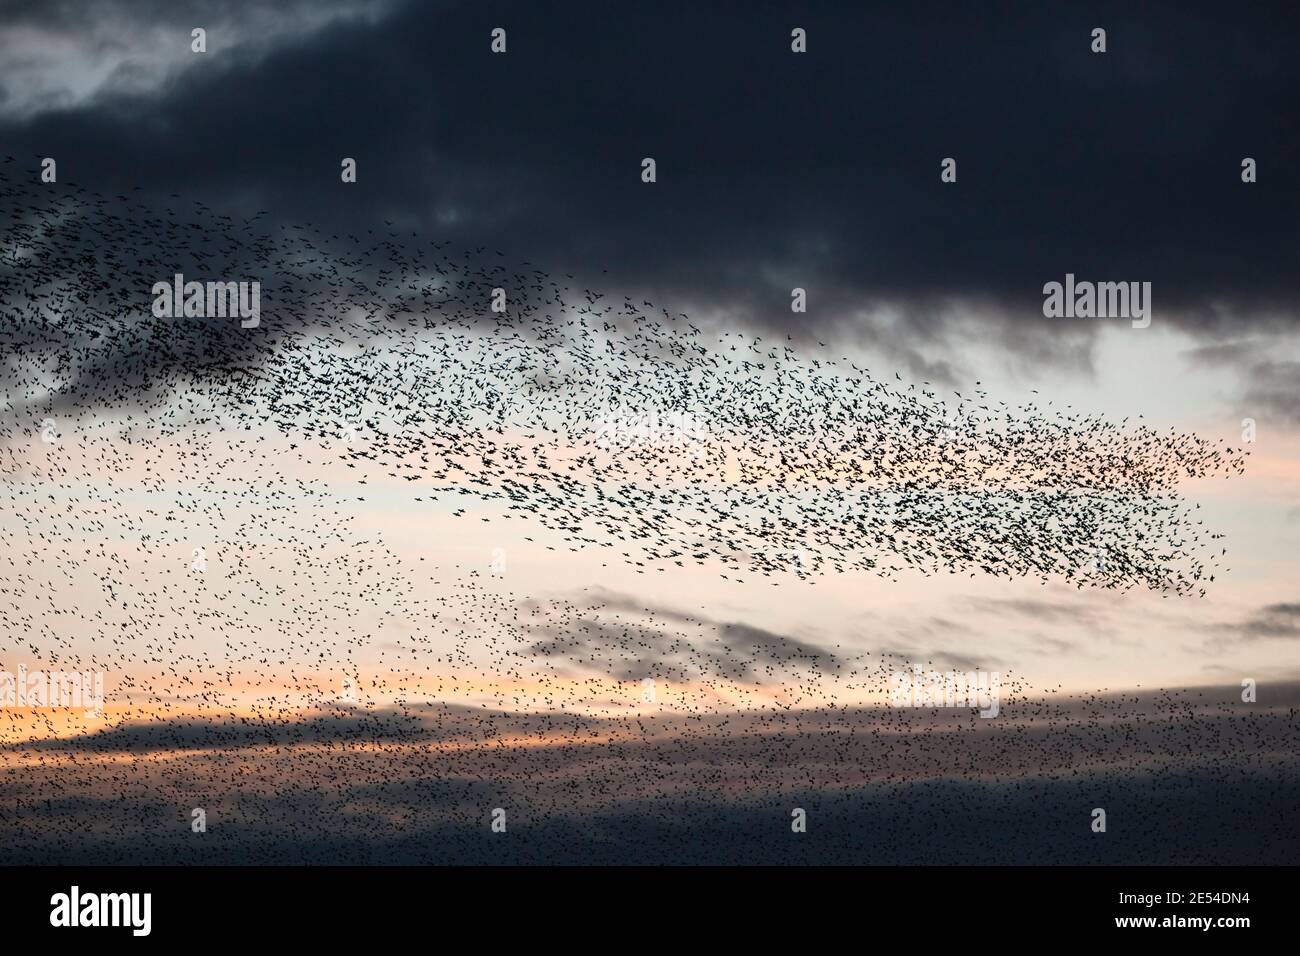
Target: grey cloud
point(62, 55)
point(1273, 391)
point(1280, 621)
point(640, 647)
point(525, 151)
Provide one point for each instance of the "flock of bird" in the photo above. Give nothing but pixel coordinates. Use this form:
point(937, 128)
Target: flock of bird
point(188, 505)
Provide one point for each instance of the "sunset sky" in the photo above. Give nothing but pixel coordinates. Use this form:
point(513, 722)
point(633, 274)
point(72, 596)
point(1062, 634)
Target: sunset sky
point(776, 171)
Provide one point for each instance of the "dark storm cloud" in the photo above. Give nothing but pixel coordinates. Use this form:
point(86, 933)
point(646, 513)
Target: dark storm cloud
point(61, 54)
point(775, 170)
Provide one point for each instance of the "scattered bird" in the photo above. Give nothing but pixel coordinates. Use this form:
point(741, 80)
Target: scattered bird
point(181, 512)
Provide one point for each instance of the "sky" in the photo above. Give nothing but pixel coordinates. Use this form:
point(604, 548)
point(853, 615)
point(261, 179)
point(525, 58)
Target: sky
point(775, 171)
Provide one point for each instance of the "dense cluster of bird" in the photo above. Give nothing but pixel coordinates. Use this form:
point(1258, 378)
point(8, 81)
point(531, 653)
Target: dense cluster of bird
point(177, 513)
point(611, 422)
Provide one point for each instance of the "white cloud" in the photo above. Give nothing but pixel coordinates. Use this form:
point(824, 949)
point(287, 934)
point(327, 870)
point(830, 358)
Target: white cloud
point(60, 55)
